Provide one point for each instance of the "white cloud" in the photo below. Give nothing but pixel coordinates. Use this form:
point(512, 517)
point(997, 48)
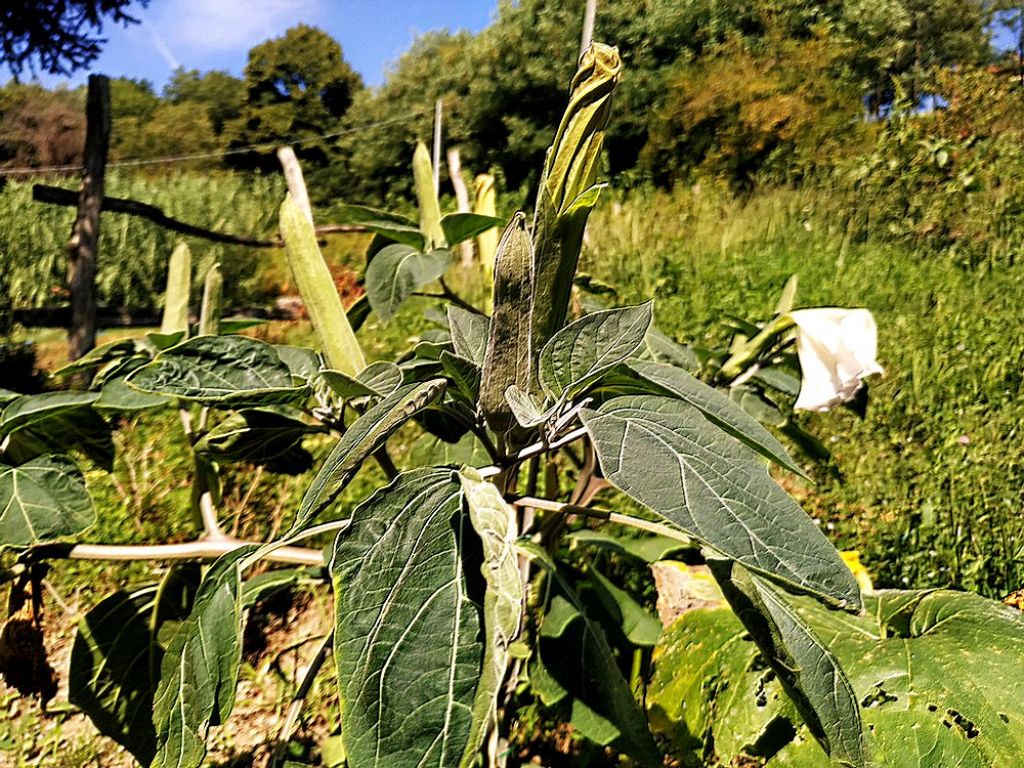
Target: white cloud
point(198, 27)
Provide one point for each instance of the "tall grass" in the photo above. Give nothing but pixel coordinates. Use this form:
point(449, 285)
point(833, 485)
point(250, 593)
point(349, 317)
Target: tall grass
point(132, 262)
point(932, 481)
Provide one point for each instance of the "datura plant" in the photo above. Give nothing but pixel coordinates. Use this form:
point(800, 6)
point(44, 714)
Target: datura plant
point(478, 577)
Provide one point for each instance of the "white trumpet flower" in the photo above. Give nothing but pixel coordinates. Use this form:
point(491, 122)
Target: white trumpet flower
point(837, 349)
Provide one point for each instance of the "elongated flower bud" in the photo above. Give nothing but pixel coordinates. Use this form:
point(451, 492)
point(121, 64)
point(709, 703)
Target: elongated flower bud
point(176, 295)
point(507, 360)
point(486, 241)
point(567, 193)
point(213, 292)
point(426, 196)
point(319, 295)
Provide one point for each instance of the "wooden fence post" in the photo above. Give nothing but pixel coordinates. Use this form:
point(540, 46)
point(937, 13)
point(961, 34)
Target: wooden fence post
point(85, 234)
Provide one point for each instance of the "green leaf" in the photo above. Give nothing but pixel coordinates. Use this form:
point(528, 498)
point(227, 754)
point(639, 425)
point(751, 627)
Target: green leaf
point(495, 523)
point(398, 271)
point(366, 434)
point(583, 351)
point(459, 227)
point(101, 355)
point(199, 671)
point(55, 422)
point(220, 371)
point(508, 360)
point(669, 457)
point(405, 638)
point(31, 409)
point(716, 407)
point(42, 500)
point(364, 215)
point(7, 395)
point(115, 659)
point(639, 626)
point(647, 548)
point(382, 377)
point(270, 438)
point(117, 396)
point(931, 670)
point(526, 410)
point(319, 294)
point(662, 349)
point(807, 670)
point(179, 282)
point(464, 374)
point(432, 451)
point(469, 332)
point(603, 704)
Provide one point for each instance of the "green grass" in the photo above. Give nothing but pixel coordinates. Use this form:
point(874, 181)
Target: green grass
point(932, 481)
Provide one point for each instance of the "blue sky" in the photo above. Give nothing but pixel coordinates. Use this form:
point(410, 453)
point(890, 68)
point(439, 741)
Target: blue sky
point(217, 34)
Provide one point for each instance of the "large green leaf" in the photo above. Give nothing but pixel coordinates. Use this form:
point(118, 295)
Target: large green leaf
point(669, 457)
point(116, 656)
point(30, 409)
point(936, 675)
point(717, 407)
point(603, 707)
point(638, 625)
point(807, 670)
point(646, 548)
point(199, 670)
point(469, 332)
point(225, 371)
point(495, 523)
point(406, 646)
point(42, 500)
point(366, 434)
point(55, 422)
point(399, 270)
point(459, 227)
point(117, 396)
point(272, 438)
point(579, 354)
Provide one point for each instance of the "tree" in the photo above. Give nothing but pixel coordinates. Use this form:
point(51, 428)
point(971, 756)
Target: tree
point(58, 34)
point(297, 86)
point(219, 92)
point(40, 127)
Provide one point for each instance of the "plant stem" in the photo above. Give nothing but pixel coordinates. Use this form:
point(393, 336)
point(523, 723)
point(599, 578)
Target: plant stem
point(534, 450)
point(202, 549)
point(295, 708)
point(601, 514)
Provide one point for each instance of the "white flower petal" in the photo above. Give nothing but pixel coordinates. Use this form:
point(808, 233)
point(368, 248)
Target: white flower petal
point(837, 349)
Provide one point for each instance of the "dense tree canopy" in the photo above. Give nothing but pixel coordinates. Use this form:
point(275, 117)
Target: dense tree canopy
point(297, 86)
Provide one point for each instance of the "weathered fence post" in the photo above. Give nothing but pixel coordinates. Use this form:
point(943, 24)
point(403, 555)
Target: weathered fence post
point(85, 234)
point(438, 107)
